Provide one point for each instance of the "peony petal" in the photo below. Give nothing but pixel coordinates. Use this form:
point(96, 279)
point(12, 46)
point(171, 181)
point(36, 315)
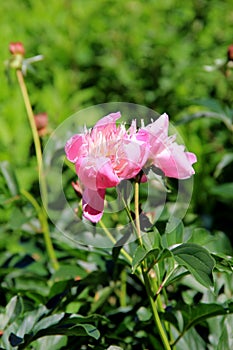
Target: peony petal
point(97, 173)
point(106, 176)
point(174, 162)
point(75, 147)
point(133, 156)
point(93, 204)
point(159, 128)
point(108, 122)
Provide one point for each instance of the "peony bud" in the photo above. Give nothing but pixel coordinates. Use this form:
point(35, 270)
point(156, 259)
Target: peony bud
point(41, 121)
point(17, 48)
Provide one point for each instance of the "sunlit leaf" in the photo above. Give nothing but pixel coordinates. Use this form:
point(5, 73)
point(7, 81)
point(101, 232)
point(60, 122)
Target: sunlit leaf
point(10, 177)
point(226, 160)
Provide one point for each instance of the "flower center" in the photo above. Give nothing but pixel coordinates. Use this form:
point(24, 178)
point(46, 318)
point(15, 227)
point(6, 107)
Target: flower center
point(105, 143)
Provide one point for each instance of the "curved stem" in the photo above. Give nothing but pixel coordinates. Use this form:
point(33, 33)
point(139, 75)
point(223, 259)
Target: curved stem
point(40, 210)
point(45, 227)
point(35, 135)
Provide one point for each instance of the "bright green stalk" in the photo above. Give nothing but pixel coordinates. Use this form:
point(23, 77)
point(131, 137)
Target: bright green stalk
point(41, 213)
point(147, 281)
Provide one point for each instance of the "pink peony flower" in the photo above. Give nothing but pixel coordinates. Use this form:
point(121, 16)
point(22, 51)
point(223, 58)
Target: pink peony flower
point(104, 156)
point(165, 153)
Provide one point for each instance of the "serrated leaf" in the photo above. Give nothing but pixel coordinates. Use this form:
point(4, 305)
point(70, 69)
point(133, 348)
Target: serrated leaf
point(197, 261)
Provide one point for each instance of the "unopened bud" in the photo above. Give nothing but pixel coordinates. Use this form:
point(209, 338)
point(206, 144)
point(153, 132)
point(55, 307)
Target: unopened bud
point(17, 48)
point(41, 121)
point(230, 53)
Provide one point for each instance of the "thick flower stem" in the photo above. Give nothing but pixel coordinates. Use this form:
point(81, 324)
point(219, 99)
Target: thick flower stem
point(146, 278)
point(41, 213)
point(156, 317)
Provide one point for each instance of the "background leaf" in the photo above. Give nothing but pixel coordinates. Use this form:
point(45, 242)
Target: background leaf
point(197, 260)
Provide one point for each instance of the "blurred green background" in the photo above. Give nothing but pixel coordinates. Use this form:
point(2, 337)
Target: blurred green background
point(150, 53)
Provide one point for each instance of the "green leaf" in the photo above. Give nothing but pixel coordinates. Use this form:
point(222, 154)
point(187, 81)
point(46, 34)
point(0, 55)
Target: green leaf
point(69, 327)
point(103, 295)
point(53, 342)
point(226, 160)
point(66, 272)
point(197, 260)
point(138, 257)
point(226, 340)
point(223, 262)
point(224, 191)
point(194, 314)
point(10, 177)
point(14, 309)
point(141, 254)
point(174, 232)
point(151, 239)
point(144, 314)
point(119, 244)
point(17, 219)
point(153, 255)
point(47, 322)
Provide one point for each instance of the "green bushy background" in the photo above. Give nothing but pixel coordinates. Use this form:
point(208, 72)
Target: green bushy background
point(150, 53)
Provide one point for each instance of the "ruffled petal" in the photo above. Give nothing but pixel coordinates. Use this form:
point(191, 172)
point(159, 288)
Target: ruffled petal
point(97, 173)
point(108, 122)
point(159, 128)
point(175, 162)
point(132, 157)
point(93, 204)
point(106, 176)
point(75, 147)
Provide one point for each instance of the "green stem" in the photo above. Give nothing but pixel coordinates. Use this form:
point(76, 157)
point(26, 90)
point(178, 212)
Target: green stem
point(35, 135)
point(123, 288)
point(45, 227)
point(136, 207)
point(147, 281)
point(112, 239)
point(41, 211)
point(156, 317)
